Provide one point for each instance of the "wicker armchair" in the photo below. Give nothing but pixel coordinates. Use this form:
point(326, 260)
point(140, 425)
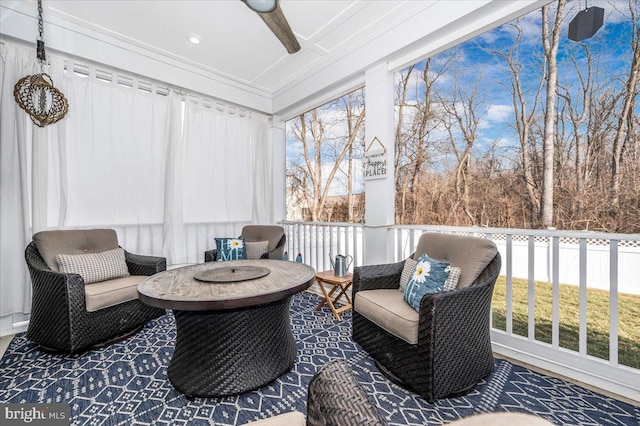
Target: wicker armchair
point(59, 317)
point(334, 398)
point(254, 233)
point(445, 349)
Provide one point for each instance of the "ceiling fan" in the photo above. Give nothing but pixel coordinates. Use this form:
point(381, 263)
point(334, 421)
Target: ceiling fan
point(271, 14)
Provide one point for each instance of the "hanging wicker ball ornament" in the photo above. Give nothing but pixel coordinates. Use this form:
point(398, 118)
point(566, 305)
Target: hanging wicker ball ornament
point(44, 103)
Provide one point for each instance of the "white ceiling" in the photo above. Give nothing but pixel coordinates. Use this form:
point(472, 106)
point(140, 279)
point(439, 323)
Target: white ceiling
point(338, 38)
point(235, 43)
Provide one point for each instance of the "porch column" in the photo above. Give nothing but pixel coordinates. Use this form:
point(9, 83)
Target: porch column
point(279, 161)
point(379, 193)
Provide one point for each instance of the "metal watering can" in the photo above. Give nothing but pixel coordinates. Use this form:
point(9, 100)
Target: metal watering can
point(340, 266)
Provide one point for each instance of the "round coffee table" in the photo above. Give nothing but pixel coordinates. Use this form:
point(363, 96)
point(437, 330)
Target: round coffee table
point(232, 336)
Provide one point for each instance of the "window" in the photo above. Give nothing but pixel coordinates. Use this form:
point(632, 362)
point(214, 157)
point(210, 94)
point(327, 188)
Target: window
point(324, 148)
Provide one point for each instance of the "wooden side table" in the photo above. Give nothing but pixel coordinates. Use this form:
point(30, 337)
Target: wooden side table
point(336, 283)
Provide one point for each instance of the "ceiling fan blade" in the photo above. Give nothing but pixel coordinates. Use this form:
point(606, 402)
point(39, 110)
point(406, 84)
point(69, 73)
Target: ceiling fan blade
point(278, 24)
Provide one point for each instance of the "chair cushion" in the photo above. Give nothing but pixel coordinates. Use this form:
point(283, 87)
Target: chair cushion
point(94, 267)
point(428, 277)
point(256, 249)
point(112, 292)
point(388, 309)
point(76, 241)
point(231, 248)
point(407, 271)
point(470, 254)
point(271, 233)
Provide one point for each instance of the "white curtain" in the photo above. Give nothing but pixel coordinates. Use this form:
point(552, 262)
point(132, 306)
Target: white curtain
point(169, 172)
point(119, 136)
point(226, 174)
point(24, 176)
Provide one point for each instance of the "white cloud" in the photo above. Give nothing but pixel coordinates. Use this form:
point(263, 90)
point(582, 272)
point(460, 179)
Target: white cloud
point(498, 113)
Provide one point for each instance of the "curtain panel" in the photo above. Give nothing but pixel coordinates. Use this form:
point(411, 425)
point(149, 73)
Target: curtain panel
point(168, 171)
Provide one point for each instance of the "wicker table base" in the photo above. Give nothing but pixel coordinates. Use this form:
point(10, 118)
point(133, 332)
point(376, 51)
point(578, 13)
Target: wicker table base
point(231, 352)
point(232, 337)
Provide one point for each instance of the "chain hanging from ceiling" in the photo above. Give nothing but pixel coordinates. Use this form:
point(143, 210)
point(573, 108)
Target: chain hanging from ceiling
point(35, 93)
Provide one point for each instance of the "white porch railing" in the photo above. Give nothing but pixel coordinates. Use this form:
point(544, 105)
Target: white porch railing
point(317, 242)
point(584, 259)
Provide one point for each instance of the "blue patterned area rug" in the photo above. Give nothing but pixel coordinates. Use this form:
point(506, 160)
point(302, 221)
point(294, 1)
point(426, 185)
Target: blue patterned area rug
point(126, 383)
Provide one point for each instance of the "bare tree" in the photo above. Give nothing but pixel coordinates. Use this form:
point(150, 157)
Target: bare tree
point(578, 111)
point(550, 42)
point(401, 145)
point(625, 119)
point(413, 143)
point(525, 106)
point(461, 121)
point(306, 175)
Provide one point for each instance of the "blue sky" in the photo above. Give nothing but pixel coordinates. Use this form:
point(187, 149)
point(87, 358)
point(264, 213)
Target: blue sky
point(610, 46)
point(475, 61)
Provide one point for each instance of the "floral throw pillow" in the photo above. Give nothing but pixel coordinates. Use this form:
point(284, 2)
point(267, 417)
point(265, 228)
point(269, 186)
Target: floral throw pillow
point(428, 277)
point(231, 248)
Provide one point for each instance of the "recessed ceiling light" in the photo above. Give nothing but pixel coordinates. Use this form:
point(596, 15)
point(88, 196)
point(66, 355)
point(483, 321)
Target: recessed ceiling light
point(194, 39)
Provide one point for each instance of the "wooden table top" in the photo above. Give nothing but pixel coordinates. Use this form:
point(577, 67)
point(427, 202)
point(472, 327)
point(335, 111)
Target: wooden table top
point(329, 277)
point(178, 289)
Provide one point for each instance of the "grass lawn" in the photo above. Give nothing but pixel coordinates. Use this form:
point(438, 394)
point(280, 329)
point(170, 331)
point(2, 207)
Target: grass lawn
point(597, 318)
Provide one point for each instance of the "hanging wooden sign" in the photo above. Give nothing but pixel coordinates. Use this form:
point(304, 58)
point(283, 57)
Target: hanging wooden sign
point(374, 164)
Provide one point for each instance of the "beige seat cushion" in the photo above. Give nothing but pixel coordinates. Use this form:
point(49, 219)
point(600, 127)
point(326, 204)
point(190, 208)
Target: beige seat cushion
point(293, 418)
point(76, 241)
point(388, 309)
point(104, 294)
point(470, 254)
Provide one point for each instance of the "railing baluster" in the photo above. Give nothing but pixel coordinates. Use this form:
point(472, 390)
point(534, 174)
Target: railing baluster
point(347, 239)
point(531, 286)
point(555, 300)
point(613, 302)
point(300, 236)
point(509, 292)
point(324, 249)
point(582, 346)
point(412, 243)
point(332, 230)
point(315, 247)
point(355, 247)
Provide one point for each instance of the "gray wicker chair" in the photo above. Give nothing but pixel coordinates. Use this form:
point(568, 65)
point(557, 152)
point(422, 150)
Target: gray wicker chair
point(450, 347)
point(254, 233)
point(334, 398)
point(59, 318)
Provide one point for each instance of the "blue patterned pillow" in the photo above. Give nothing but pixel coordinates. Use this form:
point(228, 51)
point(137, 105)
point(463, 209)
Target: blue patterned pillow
point(231, 248)
point(429, 276)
